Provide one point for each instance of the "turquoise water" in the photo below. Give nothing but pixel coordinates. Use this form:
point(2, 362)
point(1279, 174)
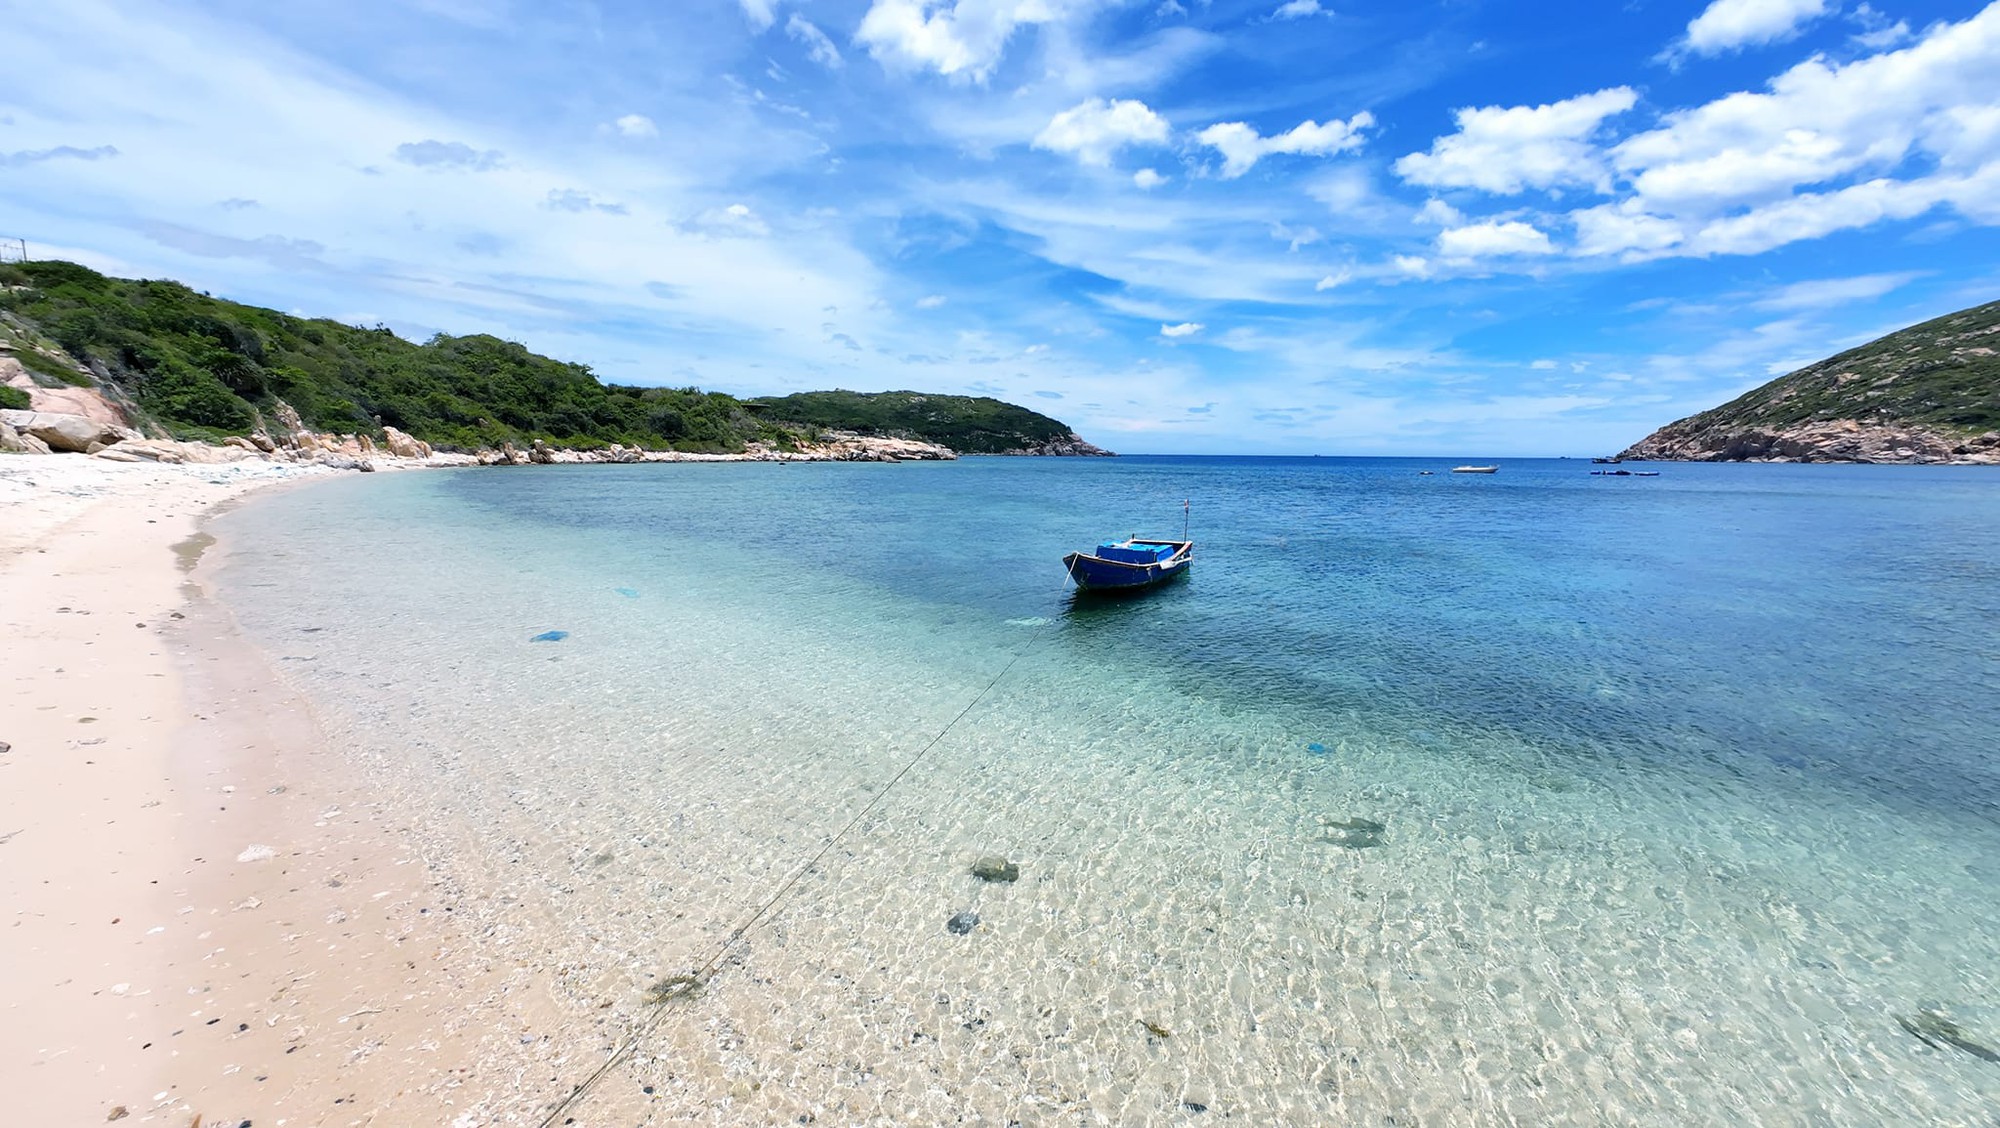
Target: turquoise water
point(1685, 786)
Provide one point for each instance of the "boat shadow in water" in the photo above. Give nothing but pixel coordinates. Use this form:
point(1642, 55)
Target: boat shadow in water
point(1085, 606)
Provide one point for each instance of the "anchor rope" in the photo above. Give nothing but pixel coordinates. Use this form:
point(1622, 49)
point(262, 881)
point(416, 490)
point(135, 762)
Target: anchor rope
point(680, 986)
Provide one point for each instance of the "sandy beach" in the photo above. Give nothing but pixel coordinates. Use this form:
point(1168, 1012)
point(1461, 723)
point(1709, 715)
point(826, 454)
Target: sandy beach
point(210, 914)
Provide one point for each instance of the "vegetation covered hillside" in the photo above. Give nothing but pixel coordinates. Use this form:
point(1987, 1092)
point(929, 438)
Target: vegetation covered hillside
point(971, 425)
point(1927, 393)
point(203, 367)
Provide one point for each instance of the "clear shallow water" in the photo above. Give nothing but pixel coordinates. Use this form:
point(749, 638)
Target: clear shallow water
point(1686, 783)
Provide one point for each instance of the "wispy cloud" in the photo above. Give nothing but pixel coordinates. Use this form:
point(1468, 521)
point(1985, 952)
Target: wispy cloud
point(60, 152)
point(448, 154)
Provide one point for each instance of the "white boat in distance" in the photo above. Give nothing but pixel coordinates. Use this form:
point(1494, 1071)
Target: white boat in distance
point(1475, 469)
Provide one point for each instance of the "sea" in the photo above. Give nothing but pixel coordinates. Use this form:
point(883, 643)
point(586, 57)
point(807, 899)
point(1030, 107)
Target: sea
point(1543, 798)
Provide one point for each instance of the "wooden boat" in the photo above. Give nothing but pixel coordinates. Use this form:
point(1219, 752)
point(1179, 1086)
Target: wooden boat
point(1129, 565)
point(1607, 461)
point(1475, 469)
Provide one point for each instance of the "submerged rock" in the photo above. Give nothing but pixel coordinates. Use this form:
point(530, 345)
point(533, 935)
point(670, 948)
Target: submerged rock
point(1355, 834)
point(1937, 1031)
point(962, 923)
point(992, 867)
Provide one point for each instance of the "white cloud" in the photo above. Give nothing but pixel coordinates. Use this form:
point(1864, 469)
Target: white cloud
point(1332, 280)
point(1811, 215)
point(1819, 120)
point(1508, 149)
point(1825, 147)
point(1824, 293)
point(737, 221)
point(1295, 237)
point(1731, 25)
point(1300, 9)
point(1436, 211)
point(819, 48)
point(1878, 32)
point(1623, 228)
point(1147, 179)
point(956, 38)
point(1414, 266)
point(1242, 148)
point(1542, 365)
point(931, 301)
point(760, 13)
point(636, 125)
point(1184, 329)
point(1483, 240)
point(1095, 129)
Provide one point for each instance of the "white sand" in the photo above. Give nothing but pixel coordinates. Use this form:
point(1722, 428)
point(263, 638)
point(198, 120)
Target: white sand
point(207, 913)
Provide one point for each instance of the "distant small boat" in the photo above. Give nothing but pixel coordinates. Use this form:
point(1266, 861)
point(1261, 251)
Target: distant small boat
point(1607, 461)
point(1475, 469)
point(1128, 565)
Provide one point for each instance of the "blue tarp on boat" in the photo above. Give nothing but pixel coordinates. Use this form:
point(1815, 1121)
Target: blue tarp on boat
point(1135, 553)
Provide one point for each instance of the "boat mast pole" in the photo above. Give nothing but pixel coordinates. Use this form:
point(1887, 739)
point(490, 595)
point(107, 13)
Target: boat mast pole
point(1184, 518)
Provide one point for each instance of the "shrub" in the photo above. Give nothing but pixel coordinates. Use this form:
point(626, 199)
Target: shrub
point(55, 368)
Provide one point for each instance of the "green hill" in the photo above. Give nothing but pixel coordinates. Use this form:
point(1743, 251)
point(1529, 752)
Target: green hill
point(970, 425)
point(197, 366)
point(1929, 393)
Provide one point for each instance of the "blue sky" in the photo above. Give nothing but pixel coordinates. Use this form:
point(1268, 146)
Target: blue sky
point(1257, 226)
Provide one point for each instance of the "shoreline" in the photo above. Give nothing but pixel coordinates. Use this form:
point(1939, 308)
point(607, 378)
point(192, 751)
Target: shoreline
point(213, 912)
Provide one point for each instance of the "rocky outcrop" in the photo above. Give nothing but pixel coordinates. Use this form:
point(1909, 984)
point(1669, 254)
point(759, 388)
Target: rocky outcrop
point(65, 400)
point(65, 432)
point(1840, 440)
point(843, 446)
point(174, 453)
point(14, 442)
point(403, 445)
point(1066, 446)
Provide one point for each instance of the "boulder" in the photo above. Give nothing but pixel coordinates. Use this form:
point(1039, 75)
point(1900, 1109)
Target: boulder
point(113, 454)
point(15, 442)
point(155, 450)
point(404, 445)
point(64, 432)
point(540, 453)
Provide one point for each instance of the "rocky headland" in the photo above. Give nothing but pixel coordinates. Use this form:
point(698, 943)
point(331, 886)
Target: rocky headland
point(1926, 394)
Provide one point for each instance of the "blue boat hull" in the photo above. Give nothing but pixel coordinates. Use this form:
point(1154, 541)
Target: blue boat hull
point(1095, 573)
